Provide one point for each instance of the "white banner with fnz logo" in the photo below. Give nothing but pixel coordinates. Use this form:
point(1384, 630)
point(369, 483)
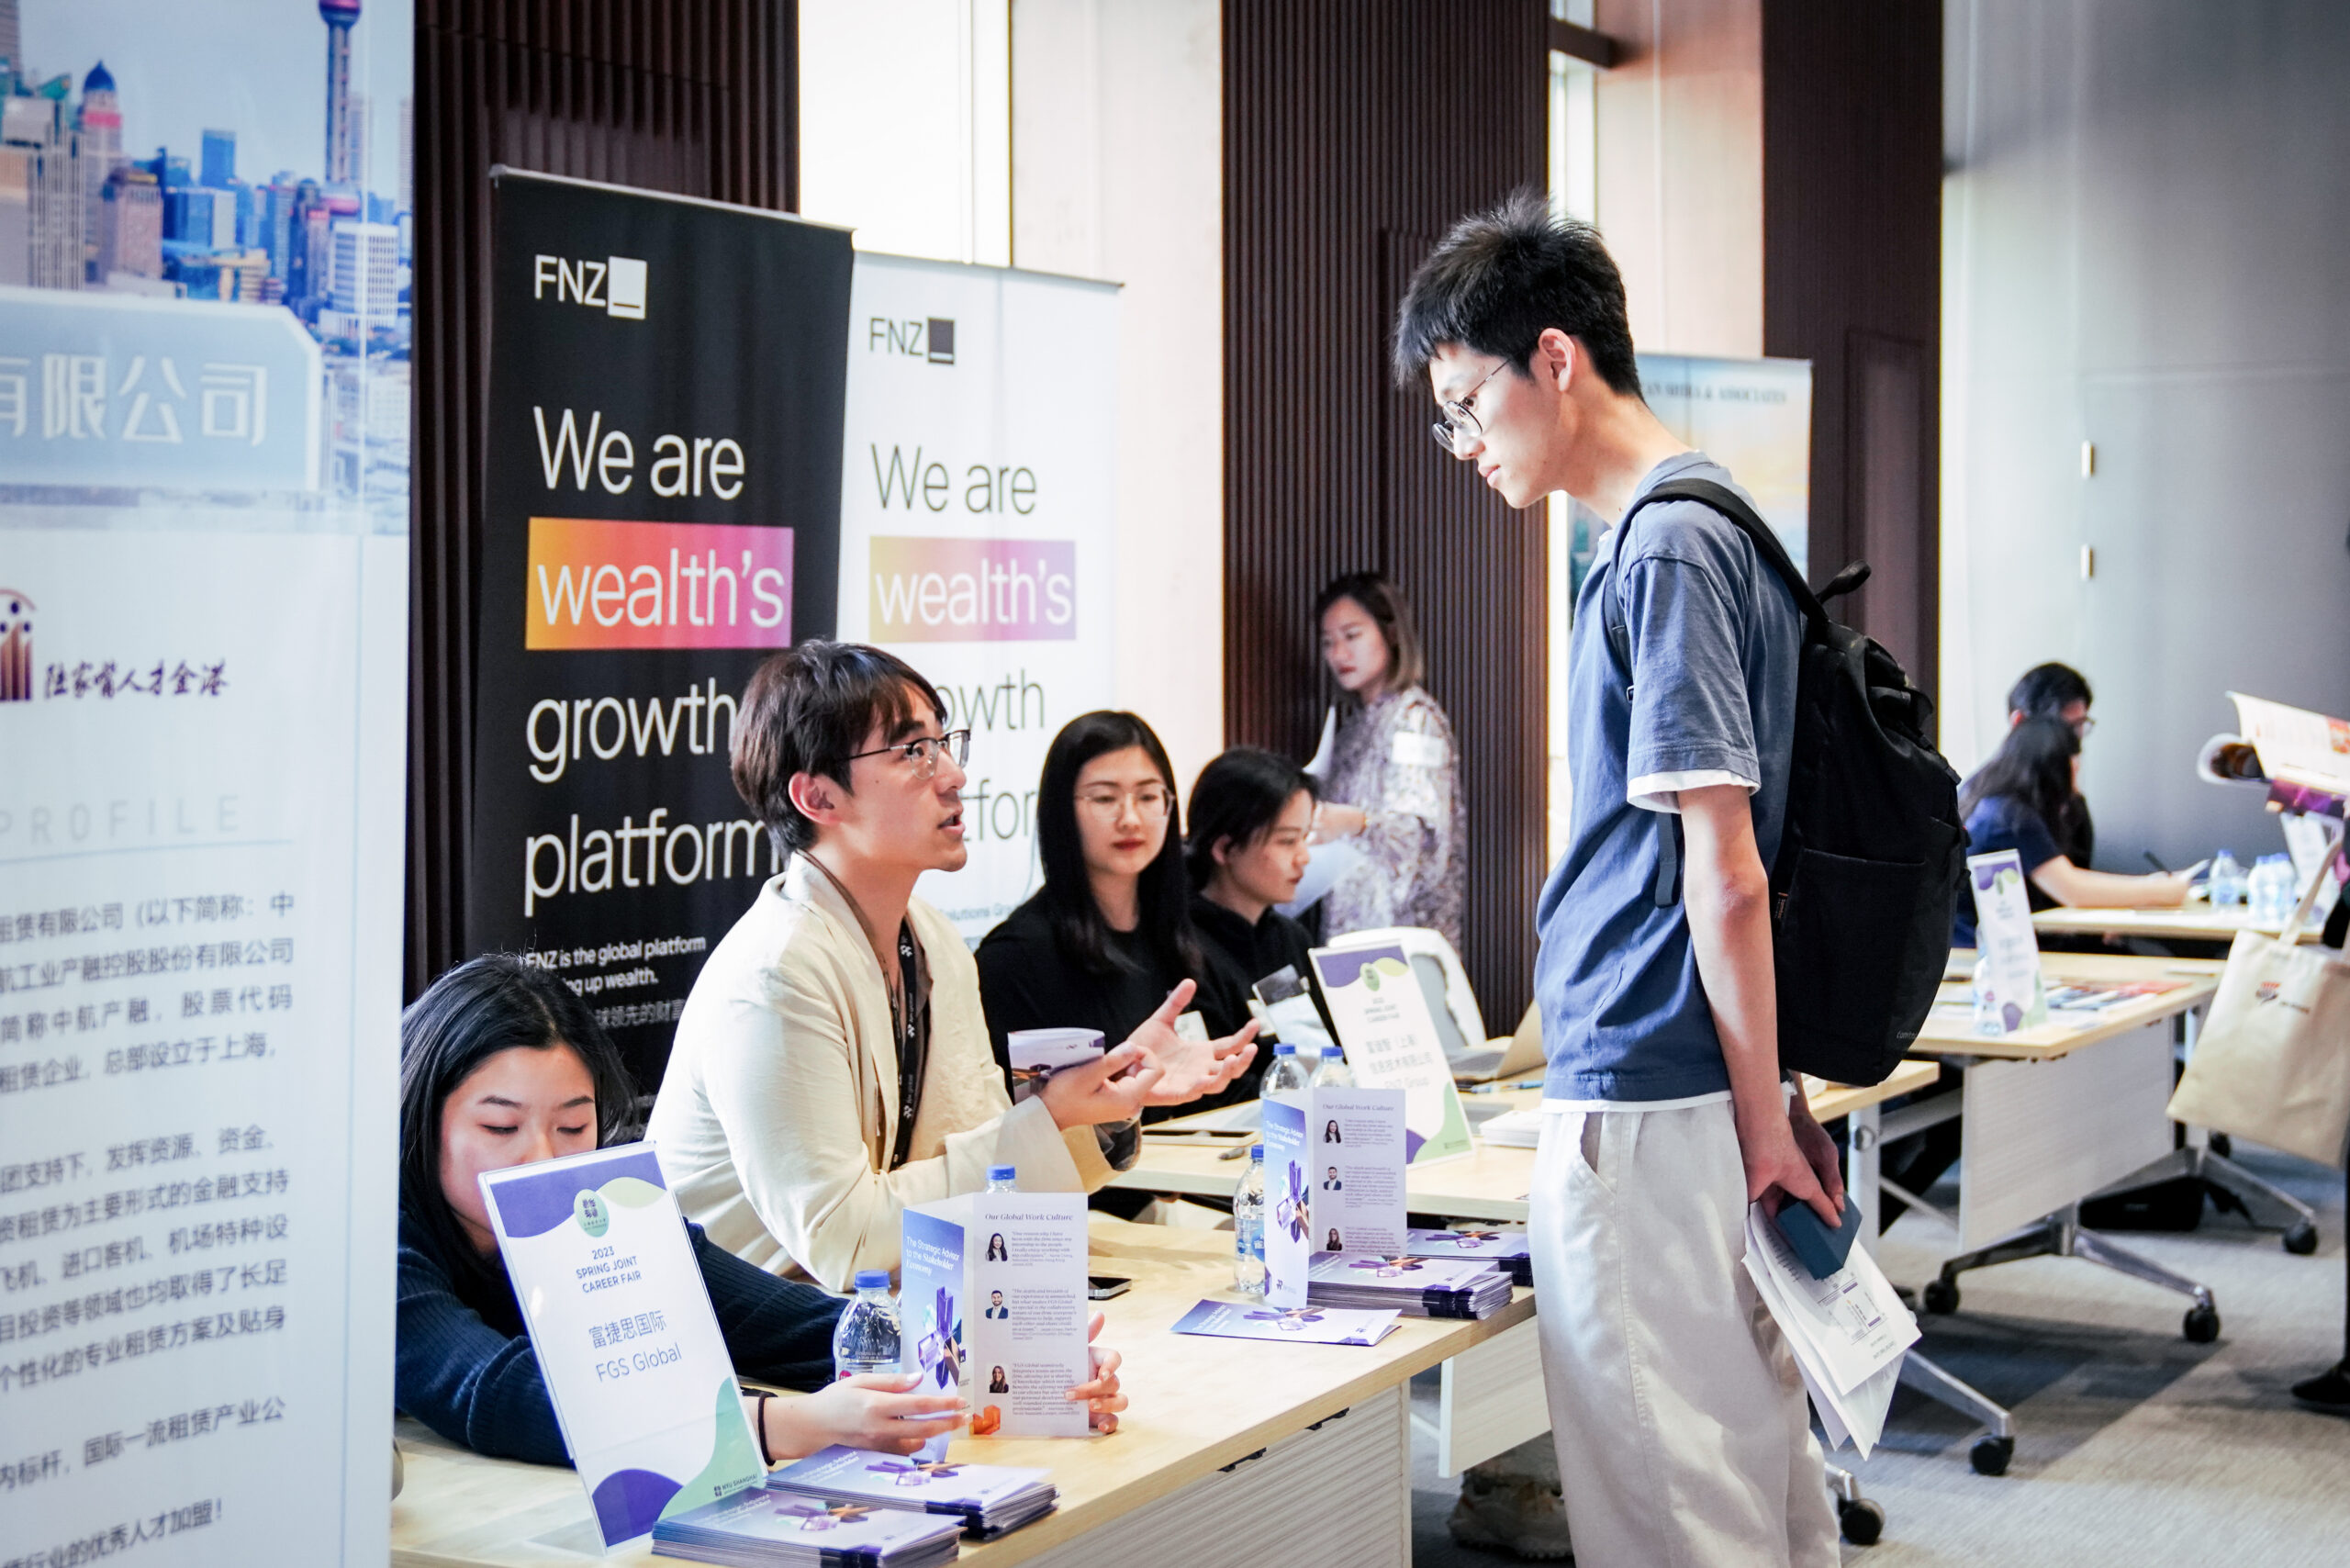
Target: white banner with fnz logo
point(977, 524)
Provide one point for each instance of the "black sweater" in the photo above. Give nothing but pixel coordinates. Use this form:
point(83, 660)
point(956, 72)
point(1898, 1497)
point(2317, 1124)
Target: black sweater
point(465, 1367)
point(1027, 983)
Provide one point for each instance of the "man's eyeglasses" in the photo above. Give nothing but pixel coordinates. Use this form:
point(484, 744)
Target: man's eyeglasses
point(924, 751)
point(1459, 421)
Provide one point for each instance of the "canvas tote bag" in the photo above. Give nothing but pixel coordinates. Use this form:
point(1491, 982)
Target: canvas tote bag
point(2272, 1062)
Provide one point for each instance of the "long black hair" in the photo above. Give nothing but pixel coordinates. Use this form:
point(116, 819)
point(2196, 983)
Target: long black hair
point(2033, 765)
point(1164, 896)
point(1235, 800)
point(486, 1005)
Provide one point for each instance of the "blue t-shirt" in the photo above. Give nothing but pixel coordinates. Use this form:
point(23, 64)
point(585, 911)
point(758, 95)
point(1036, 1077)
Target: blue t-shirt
point(1713, 636)
point(1997, 823)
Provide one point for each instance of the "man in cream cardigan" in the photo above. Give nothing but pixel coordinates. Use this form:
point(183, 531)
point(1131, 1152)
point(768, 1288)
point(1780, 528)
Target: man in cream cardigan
point(833, 1064)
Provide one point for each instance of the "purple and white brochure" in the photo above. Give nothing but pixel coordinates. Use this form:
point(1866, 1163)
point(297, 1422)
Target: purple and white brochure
point(1294, 1325)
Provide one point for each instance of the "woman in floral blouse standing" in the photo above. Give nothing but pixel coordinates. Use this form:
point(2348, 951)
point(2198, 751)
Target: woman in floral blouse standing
point(1394, 788)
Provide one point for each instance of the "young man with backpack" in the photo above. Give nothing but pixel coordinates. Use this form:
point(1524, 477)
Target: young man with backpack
point(1683, 1431)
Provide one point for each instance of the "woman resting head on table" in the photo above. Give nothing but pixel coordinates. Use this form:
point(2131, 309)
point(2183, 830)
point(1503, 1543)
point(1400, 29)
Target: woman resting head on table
point(2016, 799)
point(502, 1065)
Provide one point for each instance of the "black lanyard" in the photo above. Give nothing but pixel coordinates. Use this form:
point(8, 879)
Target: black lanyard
point(910, 1017)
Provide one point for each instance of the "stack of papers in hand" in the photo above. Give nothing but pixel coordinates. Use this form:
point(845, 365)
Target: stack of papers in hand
point(1502, 1250)
point(1849, 1331)
point(1298, 1324)
point(764, 1526)
point(1514, 1129)
point(989, 1498)
point(1417, 1287)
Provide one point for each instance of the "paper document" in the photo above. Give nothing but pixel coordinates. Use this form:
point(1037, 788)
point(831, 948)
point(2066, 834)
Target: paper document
point(1320, 766)
point(1848, 1331)
point(2297, 746)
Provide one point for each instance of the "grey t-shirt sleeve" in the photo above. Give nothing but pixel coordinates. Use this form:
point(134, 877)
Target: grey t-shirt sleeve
point(1690, 711)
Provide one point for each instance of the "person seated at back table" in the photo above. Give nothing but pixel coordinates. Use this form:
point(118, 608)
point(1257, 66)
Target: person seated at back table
point(1108, 940)
point(832, 1064)
point(2060, 692)
point(1251, 815)
point(502, 1065)
point(2012, 802)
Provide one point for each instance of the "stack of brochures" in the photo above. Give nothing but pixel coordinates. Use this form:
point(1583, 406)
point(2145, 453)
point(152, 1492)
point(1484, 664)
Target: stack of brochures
point(1513, 1129)
point(989, 1499)
point(1417, 1287)
point(1502, 1250)
point(764, 1526)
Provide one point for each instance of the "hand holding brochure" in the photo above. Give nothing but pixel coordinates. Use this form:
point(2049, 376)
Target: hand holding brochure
point(1848, 1331)
point(1296, 1325)
point(763, 1527)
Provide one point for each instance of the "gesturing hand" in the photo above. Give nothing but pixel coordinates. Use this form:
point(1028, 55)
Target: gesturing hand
point(1103, 1089)
point(1190, 1069)
point(1103, 1400)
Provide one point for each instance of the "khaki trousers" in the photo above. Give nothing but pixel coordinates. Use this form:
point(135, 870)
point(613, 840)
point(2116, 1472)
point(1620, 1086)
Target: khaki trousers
point(1684, 1433)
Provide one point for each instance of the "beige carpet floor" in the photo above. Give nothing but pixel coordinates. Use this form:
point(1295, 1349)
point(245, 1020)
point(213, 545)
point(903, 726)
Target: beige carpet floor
point(2134, 1447)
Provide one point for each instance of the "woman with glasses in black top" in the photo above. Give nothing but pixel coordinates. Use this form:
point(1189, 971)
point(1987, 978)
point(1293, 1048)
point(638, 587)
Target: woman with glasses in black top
point(1109, 936)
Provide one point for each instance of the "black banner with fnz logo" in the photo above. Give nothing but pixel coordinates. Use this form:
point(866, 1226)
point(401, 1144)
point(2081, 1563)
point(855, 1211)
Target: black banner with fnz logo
point(664, 482)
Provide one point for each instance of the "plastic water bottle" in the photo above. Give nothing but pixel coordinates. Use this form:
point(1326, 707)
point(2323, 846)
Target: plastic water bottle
point(1248, 1227)
point(2271, 890)
point(2225, 884)
point(1001, 1178)
point(1332, 1071)
point(1285, 1080)
point(866, 1337)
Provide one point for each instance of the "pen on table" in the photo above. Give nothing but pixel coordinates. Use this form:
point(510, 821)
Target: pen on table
point(1502, 1088)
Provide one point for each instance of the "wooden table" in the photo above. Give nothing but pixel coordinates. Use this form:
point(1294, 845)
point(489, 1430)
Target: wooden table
point(2196, 922)
point(1229, 1444)
point(1488, 1184)
point(2053, 1114)
point(1490, 1397)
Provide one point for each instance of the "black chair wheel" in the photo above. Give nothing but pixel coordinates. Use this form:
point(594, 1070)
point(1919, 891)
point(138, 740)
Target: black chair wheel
point(1990, 1455)
point(2301, 1240)
point(2222, 1145)
point(2202, 1324)
point(1863, 1522)
point(1939, 1296)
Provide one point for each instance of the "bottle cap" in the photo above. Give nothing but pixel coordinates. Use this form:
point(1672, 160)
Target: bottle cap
point(873, 1279)
point(1002, 1172)
point(1256, 1151)
point(1285, 1048)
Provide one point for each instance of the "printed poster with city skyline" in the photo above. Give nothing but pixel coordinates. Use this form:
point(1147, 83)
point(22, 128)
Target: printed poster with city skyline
point(206, 249)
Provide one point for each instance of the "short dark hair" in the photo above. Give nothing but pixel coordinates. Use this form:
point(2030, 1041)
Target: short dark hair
point(1165, 893)
point(1406, 666)
point(1235, 800)
point(1504, 276)
point(808, 710)
point(2035, 765)
point(2046, 690)
point(486, 1005)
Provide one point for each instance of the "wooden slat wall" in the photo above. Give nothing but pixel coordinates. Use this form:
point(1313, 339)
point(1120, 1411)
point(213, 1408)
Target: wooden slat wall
point(1355, 132)
point(694, 96)
point(1852, 280)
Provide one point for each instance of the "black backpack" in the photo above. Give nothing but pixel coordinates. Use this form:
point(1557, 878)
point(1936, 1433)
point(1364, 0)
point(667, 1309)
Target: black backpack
point(1874, 851)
